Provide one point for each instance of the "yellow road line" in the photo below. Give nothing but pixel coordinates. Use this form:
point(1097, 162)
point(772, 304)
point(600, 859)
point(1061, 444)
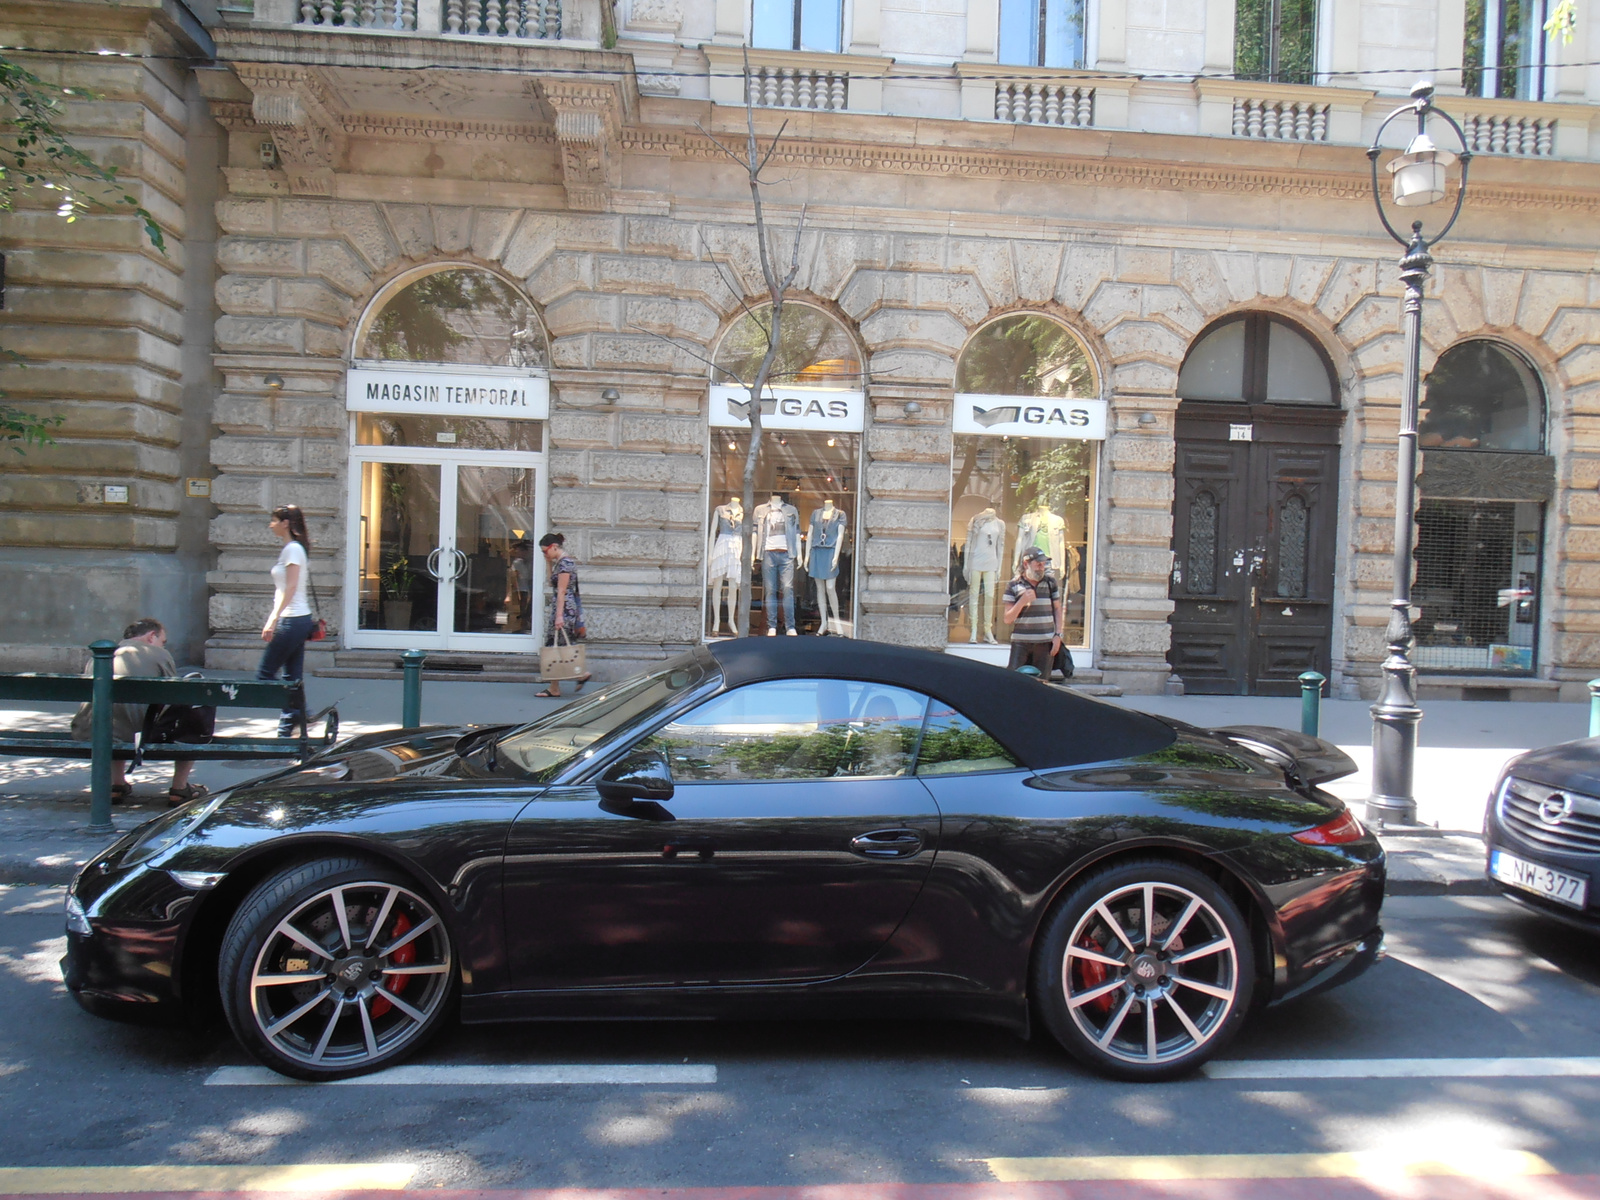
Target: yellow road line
point(1357, 1165)
point(294, 1177)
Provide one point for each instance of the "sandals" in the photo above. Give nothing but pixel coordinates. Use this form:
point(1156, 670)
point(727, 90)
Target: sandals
point(581, 682)
point(188, 792)
point(120, 792)
point(547, 694)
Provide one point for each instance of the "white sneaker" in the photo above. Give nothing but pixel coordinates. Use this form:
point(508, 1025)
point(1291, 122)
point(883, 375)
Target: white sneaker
point(790, 632)
point(772, 633)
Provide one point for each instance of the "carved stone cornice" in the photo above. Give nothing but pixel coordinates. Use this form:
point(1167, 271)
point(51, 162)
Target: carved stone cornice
point(445, 129)
point(295, 106)
point(589, 117)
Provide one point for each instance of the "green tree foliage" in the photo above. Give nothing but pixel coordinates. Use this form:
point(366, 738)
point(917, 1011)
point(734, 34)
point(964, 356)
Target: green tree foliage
point(1275, 41)
point(39, 162)
point(438, 317)
point(812, 349)
point(1025, 355)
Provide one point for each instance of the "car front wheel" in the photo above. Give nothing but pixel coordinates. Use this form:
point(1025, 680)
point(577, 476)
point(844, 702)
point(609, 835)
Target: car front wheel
point(335, 968)
point(1145, 970)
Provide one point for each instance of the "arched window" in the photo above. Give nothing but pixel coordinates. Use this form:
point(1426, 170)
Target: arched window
point(1257, 359)
point(1482, 396)
point(1027, 355)
point(458, 315)
point(814, 349)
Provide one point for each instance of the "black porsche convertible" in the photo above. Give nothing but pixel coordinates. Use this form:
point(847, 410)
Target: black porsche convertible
point(795, 827)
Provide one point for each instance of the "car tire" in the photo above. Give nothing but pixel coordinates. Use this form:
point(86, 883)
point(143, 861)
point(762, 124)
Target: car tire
point(1148, 1000)
point(335, 968)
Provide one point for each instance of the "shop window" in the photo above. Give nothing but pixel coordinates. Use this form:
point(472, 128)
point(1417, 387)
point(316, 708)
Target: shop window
point(1482, 396)
point(1477, 585)
point(1275, 41)
point(458, 315)
point(803, 565)
point(1042, 33)
point(816, 25)
point(1257, 359)
point(1505, 51)
point(1030, 479)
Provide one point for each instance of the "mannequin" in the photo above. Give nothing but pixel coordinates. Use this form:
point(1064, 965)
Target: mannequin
point(723, 551)
point(823, 543)
point(777, 533)
point(983, 557)
point(1042, 528)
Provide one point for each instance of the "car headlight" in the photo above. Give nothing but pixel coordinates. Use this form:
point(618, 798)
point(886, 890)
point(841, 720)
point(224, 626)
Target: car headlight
point(167, 831)
point(77, 919)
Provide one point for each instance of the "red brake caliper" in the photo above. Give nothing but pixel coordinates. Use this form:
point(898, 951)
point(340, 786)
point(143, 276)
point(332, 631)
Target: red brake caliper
point(1092, 974)
point(402, 957)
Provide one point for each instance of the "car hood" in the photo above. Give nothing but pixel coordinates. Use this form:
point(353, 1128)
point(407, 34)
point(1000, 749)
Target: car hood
point(432, 752)
point(1574, 765)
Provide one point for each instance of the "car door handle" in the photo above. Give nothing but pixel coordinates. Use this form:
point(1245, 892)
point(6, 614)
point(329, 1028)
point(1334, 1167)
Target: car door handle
point(887, 843)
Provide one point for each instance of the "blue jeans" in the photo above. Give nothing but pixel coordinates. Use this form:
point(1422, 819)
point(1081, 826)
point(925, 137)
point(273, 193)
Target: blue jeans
point(286, 652)
point(777, 567)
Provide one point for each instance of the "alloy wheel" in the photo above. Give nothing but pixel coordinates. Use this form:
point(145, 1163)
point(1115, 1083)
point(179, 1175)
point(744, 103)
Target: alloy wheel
point(350, 975)
point(1150, 973)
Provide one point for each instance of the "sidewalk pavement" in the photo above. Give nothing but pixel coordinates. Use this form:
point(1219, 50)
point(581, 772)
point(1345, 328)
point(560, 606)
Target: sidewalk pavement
point(44, 803)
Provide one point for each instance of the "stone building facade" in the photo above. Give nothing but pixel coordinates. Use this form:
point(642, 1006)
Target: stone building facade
point(309, 167)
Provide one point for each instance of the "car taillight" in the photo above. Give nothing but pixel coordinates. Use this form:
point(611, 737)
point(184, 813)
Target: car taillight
point(1341, 829)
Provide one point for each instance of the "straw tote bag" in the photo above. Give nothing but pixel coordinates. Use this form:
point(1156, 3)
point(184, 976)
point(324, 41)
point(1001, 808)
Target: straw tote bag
point(564, 659)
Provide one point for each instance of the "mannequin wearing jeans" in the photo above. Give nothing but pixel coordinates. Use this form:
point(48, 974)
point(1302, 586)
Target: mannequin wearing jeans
point(822, 562)
point(986, 539)
point(722, 560)
point(777, 532)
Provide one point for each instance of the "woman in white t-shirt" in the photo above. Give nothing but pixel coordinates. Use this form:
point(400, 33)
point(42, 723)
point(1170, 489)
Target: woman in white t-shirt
point(289, 624)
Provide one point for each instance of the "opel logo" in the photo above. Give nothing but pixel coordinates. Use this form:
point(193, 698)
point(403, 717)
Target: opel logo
point(1555, 808)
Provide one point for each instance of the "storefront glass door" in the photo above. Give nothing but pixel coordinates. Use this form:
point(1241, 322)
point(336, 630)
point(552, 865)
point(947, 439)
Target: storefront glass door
point(443, 551)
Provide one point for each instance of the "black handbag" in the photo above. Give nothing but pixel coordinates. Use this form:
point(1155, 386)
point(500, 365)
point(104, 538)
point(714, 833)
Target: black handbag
point(188, 723)
point(1063, 661)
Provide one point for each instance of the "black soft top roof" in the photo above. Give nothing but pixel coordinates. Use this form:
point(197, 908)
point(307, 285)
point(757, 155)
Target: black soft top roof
point(1042, 726)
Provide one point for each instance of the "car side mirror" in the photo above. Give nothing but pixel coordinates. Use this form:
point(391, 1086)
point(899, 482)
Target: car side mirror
point(638, 777)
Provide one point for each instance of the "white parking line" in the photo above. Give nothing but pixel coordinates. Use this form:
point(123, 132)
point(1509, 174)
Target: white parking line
point(502, 1076)
point(1404, 1068)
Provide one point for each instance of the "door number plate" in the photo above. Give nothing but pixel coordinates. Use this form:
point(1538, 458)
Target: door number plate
point(1241, 433)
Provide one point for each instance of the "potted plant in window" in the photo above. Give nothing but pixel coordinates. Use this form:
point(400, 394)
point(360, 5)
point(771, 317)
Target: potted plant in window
point(397, 584)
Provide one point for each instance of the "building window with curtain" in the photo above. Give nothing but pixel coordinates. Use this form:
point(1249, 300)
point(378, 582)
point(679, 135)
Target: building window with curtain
point(1042, 33)
point(1505, 51)
point(815, 25)
point(1480, 521)
point(1275, 41)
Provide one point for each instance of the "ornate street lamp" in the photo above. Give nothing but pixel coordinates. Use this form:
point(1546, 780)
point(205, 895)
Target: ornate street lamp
point(1418, 179)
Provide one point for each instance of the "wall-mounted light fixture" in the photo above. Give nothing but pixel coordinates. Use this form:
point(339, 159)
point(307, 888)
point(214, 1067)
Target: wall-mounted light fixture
point(912, 408)
point(275, 382)
point(611, 395)
point(1148, 419)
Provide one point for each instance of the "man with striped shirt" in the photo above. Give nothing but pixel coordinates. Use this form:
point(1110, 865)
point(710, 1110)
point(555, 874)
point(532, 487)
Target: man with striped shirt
point(1033, 609)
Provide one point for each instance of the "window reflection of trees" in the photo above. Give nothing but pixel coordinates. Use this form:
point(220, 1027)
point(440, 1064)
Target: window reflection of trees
point(953, 745)
point(814, 350)
point(462, 316)
point(1026, 355)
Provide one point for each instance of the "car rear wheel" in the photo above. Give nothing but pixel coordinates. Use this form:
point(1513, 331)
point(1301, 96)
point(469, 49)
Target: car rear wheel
point(335, 968)
point(1144, 970)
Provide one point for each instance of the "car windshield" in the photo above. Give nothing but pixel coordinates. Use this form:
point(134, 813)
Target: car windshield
point(543, 748)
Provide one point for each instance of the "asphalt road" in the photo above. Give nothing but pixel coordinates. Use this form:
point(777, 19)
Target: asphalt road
point(836, 1103)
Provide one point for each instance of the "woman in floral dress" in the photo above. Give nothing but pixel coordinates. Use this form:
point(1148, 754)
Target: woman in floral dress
point(567, 609)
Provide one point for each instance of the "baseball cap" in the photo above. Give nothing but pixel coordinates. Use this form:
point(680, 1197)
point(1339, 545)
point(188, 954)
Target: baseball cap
point(1034, 554)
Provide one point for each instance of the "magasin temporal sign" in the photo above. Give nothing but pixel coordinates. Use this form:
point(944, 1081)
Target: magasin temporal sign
point(1030, 416)
point(822, 409)
point(508, 393)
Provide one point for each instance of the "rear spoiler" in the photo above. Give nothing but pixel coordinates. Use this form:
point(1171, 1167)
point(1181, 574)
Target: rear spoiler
point(1310, 759)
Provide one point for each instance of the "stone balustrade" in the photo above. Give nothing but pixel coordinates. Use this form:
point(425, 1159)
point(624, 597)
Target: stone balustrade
point(1043, 96)
point(399, 15)
point(796, 79)
point(512, 20)
point(504, 18)
point(1522, 128)
point(1039, 102)
point(798, 87)
point(1280, 120)
point(1274, 112)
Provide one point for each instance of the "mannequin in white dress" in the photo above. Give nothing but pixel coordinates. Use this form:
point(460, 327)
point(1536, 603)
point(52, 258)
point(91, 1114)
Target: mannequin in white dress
point(723, 548)
point(982, 559)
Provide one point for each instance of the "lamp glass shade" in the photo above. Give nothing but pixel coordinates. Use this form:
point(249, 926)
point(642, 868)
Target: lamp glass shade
point(1419, 173)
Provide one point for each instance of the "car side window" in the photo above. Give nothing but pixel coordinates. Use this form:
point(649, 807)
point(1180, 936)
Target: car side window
point(794, 729)
point(953, 745)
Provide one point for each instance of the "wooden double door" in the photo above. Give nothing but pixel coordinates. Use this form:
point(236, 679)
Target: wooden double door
point(1254, 522)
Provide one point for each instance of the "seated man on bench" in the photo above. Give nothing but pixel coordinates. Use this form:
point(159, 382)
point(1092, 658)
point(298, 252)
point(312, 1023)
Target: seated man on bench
point(141, 653)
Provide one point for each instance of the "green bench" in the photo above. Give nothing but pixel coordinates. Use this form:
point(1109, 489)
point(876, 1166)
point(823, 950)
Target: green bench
point(103, 691)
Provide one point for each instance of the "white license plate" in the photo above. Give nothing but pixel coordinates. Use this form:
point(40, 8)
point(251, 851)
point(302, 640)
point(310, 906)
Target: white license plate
point(1571, 890)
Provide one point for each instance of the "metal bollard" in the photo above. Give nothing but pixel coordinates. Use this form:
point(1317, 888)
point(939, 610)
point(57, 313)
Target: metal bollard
point(1311, 702)
point(100, 738)
point(411, 704)
point(1594, 708)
